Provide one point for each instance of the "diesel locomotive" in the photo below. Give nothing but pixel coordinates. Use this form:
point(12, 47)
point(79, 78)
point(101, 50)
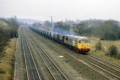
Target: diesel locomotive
point(78, 43)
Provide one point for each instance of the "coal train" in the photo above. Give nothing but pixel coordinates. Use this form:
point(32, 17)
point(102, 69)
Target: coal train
point(80, 44)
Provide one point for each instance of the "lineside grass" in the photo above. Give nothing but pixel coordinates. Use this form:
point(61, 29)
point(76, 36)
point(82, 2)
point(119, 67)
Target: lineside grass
point(106, 46)
point(7, 60)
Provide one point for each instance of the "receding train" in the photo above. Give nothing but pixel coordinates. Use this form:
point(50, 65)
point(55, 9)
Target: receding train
point(78, 43)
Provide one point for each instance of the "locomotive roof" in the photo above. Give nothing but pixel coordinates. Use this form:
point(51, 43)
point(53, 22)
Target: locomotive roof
point(77, 37)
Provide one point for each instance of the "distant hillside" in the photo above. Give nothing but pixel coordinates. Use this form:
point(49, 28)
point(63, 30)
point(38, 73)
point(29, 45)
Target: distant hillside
point(8, 30)
point(3, 25)
point(29, 21)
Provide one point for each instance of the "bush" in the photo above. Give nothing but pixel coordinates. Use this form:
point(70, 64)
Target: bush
point(98, 46)
point(2, 71)
point(113, 51)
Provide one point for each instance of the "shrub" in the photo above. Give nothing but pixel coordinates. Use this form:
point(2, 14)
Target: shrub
point(98, 46)
point(118, 56)
point(113, 51)
point(2, 71)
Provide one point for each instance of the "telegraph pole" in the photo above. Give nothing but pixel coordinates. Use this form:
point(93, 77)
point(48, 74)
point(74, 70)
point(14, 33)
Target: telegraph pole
point(52, 25)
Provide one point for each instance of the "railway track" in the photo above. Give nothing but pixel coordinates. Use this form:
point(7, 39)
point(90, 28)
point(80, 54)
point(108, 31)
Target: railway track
point(52, 68)
point(112, 73)
point(117, 67)
point(32, 71)
point(113, 68)
point(104, 68)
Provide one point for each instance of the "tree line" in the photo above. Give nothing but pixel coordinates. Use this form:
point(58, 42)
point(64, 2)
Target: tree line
point(106, 30)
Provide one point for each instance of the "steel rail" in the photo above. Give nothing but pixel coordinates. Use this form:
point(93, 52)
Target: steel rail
point(27, 59)
point(34, 62)
point(28, 78)
point(51, 61)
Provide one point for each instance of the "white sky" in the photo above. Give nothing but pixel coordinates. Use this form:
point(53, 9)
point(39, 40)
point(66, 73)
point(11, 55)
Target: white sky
point(61, 9)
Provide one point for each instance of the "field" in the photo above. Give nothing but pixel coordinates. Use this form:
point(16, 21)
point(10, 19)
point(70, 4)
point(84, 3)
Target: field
point(7, 60)
point(102, 53)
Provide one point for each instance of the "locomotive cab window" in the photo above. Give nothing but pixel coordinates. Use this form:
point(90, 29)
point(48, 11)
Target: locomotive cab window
point(79, 41)
point(85, 41)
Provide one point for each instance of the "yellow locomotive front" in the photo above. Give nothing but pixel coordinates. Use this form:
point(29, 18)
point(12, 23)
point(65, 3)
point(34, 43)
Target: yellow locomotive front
point(83, 44)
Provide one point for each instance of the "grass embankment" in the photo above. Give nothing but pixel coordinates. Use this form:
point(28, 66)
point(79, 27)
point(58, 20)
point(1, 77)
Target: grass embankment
point(103, 53)
point(7, 58)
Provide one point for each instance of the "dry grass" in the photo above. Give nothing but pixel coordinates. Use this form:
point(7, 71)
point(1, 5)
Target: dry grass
point(106, 45)
point(3, 25)
point(7, 61)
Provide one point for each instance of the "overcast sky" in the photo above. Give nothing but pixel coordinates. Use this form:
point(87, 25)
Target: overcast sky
point(61, 9)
